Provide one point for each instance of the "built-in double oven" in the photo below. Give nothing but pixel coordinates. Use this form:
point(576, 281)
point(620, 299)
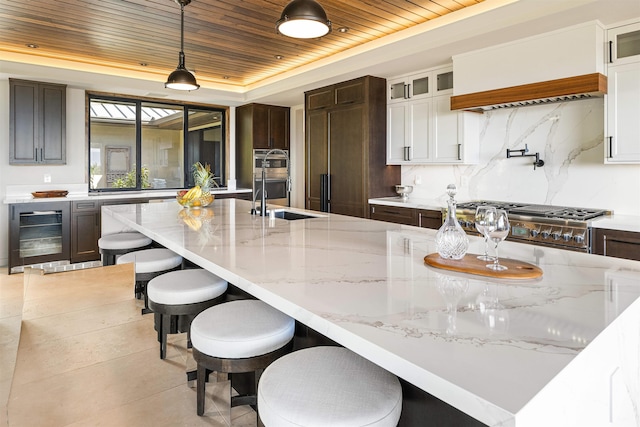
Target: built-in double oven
point(276, 172)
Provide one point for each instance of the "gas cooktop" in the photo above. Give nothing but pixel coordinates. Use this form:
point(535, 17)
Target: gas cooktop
point(538, 211)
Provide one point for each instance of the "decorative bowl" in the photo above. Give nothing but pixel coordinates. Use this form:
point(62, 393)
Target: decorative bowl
point(404, 191)
point(199, 202)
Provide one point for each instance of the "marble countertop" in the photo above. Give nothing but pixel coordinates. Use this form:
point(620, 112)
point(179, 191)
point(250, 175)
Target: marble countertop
point(26, 197)
point(547, 351)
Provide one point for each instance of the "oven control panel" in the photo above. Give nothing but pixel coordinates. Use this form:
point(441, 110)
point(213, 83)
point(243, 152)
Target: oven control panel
point(570, 235)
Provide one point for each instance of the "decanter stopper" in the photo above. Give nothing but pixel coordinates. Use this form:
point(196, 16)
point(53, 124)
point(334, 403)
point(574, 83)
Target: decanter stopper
point(451, 240)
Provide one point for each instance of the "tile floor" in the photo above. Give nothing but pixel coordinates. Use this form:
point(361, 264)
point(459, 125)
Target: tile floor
point(86, 357)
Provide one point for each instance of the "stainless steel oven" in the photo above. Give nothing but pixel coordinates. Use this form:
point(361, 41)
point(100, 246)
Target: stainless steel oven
point(276, 169)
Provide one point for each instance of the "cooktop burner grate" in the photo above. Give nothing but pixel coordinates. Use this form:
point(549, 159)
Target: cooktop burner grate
point(545, 211)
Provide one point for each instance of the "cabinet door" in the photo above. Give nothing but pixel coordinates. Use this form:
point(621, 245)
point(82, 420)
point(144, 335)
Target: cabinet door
point(85, 230)
point(52, 124)
point(279, 128)
point(346, 168)
point(317, 165)
point(398, 149)
point(429, 219)
point(320, 99)
point(397, 90)
point(419, 113)
point(623, 110)
point(617, 243)
point(624, 44)
point(23, 116)
point(446, 144)
point(395, 214)
point(260, 121)
point(351, 92)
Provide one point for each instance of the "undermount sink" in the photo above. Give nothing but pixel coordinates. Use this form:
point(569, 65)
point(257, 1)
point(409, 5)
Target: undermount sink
point(290, 215)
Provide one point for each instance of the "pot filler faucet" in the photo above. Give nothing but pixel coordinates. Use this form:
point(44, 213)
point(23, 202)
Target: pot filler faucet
point(263, 190)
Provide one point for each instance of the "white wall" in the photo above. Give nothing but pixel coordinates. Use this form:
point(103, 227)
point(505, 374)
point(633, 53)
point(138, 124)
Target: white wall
point(569, 137)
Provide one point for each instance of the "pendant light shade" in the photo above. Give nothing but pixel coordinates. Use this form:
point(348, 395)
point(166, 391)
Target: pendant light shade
point(181, 78)
point(303, 19)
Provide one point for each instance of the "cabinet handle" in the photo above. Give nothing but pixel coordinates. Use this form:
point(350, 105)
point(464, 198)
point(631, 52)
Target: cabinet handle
point(13, 213)
point(459, 151)
point(610, 51)
point(408, 91)
point(41, 155)
point(407, 153)
point(35, 154)
point(373, 209)
point(610, 138)
point(419, 219)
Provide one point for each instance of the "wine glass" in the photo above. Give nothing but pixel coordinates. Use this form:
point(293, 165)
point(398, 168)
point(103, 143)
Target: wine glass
point(481, 226)
point(498, 234)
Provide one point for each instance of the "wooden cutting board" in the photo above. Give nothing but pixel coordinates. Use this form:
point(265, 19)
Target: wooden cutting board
point(472, 265)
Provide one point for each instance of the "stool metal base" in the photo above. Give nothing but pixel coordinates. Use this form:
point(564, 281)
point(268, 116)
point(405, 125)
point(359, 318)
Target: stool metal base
point(257, 364)
point(169, 312)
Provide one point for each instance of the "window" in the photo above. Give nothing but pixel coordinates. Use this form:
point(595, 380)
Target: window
point(137, 144)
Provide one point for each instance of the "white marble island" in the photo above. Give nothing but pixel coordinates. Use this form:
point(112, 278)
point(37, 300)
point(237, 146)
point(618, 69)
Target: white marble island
point(561, 350)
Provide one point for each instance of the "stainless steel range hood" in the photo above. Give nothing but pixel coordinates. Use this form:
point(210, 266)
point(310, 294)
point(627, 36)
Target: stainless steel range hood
point(567, 89)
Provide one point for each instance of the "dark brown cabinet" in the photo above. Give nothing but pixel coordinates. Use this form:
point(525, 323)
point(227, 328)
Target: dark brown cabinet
point(85, 230)
point(428, 218)
point(425, 218)
point(395, 214)
point(616, 243)
point(260, 126)
point(345, 147)
point(37, 123)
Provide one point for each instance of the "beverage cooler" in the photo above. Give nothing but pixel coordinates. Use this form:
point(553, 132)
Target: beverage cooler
point(38, 233)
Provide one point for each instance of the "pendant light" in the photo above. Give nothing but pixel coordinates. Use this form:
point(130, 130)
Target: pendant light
point(303, 19)
point(181, 78)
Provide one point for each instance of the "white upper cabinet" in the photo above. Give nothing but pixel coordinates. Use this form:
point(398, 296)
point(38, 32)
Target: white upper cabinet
point(424, 84)
point(569, 52)
point(421, 128)
point(622, 132)
point(623, 44)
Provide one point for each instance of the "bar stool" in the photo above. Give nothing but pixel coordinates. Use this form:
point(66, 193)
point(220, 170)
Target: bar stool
point(150, 263)
point(112, 245)
point(328, 386)
point(238, 337)
point(183, 293)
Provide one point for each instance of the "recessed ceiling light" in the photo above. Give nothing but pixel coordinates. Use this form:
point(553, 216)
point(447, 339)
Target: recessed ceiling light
point(144, 64)
point(225, 77)
point(32, 46)
point(278, 56)
point(343, 29)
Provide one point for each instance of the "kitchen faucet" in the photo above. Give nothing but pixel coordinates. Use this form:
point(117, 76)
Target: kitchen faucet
point(263, 190)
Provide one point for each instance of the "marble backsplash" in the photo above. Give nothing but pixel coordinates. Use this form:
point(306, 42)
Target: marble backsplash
point(569, 137)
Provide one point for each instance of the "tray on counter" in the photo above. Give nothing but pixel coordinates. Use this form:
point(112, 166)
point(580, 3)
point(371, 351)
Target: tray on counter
point(50, 193)
point(472, 265)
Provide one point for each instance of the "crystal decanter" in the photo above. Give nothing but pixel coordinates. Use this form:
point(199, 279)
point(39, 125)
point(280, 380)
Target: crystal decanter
point(451, 240)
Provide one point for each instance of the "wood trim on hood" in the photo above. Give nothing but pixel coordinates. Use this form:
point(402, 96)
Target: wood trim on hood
point(567, 89)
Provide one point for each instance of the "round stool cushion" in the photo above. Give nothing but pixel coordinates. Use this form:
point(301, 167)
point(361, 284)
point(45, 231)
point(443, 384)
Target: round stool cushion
point(240, 329)
point(185, 287)
point(323, 386)
point(151, 260)
point(128, 240)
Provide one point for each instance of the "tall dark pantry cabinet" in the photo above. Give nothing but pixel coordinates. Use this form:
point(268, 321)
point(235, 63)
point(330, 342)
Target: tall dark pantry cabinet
point(345, 147)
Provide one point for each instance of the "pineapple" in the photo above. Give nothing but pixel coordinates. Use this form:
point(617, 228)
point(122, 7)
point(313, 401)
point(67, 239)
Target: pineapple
point(203, 177)
point(203, 180)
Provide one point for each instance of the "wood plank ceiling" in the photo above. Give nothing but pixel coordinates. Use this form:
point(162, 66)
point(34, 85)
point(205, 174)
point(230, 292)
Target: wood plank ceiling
point(226, 41)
